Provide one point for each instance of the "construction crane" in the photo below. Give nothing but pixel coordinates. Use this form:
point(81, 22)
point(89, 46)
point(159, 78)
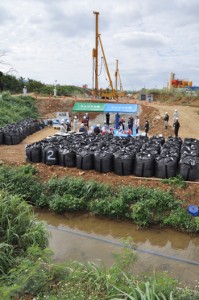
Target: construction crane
point(120, 93)
point(103, 93)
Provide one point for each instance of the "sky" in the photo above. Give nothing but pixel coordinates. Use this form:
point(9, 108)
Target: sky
point(52, 41)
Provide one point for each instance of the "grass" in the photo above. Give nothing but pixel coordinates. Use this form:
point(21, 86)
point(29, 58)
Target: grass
point(15, 109)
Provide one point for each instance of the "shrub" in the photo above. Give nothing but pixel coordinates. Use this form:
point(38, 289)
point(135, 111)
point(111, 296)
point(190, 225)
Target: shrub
point(93, 190)
point(181, 219)
point(67, 202)
point(176, 181)
point(66, 185)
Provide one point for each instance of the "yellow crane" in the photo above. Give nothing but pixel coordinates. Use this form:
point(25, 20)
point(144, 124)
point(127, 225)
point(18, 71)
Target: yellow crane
point(121, 92)
point(103, 93)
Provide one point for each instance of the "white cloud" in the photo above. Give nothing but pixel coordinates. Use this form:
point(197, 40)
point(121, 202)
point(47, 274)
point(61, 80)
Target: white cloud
point(48, 40)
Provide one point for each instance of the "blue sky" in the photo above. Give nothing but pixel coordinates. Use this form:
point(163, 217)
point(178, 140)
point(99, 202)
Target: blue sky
point(53, 40)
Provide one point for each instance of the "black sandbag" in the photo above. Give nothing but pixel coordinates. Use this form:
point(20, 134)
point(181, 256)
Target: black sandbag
point(144, 165)
point(191, 143)
point(1, 137)
point(33, 153)
point(50, 155)
point(166, 167)
point(189, 168)
point(84, 160)
point(103, 162)
point(67, 158)
point(123, 163)
point(12, 138)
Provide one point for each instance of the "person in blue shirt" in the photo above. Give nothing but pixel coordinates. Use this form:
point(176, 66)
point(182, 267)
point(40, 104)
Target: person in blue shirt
point(83, 128)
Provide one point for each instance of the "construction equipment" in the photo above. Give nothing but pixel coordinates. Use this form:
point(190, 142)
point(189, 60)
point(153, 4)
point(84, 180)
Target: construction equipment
point(121, 92)
point(103, 93)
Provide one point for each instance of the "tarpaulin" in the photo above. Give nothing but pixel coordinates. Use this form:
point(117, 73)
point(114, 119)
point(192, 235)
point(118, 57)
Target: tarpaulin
point(105, 107)
point(120, 108)
point(88, 107)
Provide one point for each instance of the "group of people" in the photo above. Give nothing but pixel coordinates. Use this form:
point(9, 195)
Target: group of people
point(119, 124)
point(176, 123)
point(133, 124)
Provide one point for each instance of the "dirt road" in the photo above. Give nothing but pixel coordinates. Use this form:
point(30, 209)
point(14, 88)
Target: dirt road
point(188, 118)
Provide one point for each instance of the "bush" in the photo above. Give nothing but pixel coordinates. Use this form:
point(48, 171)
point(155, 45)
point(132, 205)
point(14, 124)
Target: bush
point(181, 219)
point(67, 202)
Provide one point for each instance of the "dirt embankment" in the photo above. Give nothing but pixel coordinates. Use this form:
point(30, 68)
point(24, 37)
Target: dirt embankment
point(189, 120)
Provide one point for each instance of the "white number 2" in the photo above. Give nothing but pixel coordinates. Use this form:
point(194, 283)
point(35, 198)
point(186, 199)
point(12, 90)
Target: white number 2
point(50, 154)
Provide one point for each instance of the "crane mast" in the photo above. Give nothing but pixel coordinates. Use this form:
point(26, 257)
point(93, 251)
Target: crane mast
point(95, 51)
point(106, 66)
point(117, 76)
point(112, 93)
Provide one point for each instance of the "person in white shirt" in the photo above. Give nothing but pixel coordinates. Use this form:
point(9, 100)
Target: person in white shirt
point(137, 124)
point(175, 115)
point(75, 124)
point(24, 90)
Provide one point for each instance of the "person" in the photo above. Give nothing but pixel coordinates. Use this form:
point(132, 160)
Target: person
point(121, 123)
point(85, 121)
point(107, 118)
point(75, 124)
point(146, 127)
point(137, 124)
point(68, 126)
point(97, 129)
point(175, 115)
point(83, 128)
point(62, 127)
point(130, 124)
point(24, 90)
point(176, 126)
point(117, 118)
point(55, 92)
point(166, 120)
point(87, 118)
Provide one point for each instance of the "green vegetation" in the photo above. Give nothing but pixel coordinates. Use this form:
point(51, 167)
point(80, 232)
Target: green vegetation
point(177, 181)
point(15, 109)
point(26, 268)
point(144, 206)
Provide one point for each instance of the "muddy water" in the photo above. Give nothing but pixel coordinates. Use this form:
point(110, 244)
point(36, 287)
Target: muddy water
point(84, 237)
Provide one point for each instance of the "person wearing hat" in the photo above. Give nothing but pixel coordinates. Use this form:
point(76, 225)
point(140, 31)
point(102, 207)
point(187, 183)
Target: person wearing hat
point(176, 126)
point(87, 118)
point(82, 128)
point(68, 126)
point(75, 123)
point(62, 127)
point(85, 121)
point(166, 120)
point(97, 129)
point(175, 115)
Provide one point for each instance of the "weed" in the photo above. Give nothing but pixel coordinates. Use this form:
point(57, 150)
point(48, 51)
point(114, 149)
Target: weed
point(177, 181)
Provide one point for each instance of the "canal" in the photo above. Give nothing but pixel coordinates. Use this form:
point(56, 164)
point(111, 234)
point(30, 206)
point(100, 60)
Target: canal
point(89, 238)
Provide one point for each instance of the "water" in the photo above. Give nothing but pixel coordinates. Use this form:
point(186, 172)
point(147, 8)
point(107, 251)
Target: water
point(88, 238)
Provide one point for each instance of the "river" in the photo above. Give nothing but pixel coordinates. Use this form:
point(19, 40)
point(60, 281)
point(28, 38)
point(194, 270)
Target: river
point(89, 238)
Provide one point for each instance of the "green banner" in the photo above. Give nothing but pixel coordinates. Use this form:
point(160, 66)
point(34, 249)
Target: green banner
point(88, 107)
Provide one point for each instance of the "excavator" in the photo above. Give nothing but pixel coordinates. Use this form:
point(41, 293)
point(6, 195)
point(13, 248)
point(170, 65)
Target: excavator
point(111, 92)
